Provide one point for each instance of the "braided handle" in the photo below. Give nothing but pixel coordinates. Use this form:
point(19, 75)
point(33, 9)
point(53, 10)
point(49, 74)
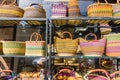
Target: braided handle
point(91, 35)
point(104, 0)
point(66, 32)
point(36, 35)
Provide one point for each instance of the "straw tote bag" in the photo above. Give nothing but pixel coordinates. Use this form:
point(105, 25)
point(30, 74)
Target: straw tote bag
point(113, 45)
point(10, 10)
point(92, 47)
point(35, 47)
point(90, 76)
point(66, 46)
point(116, 11)
point(99, 10)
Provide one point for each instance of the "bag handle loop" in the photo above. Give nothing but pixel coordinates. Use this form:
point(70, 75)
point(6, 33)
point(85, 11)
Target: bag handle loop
point(96, 70)
point(66, 32)
point(118, 2)
point(91, 35)
point(98, 1)
point(113, 74)
point(36, 35)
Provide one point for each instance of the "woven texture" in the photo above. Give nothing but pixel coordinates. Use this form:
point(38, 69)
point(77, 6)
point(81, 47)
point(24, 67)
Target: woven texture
point(93, 47)
point(35, 48)
point(66, 46)
point(115, 75)
point(113, 45)
point(100, 10)
point(13, 48)
point(73, 11)
point(34, 12)
point(10, 10)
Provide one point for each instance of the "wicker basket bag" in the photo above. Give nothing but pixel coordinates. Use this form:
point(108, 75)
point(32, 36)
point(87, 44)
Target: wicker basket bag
point(36, 47)
point(99, 10)
point(73, 11)
point(10, 10)
point(113, 45)
point(92, 47)
point(66, 46)
point(34, 12)
point(13, 48)
point(90, 76)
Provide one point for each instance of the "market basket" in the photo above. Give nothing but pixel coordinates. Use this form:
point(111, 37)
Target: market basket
point(116, 11)
point(35, 47)
point(13, 48)
point(113, 45)
point(65, 46)
point(99, 10)
point(73, 11)
point(92, 47)
point(96, 75)
point(59, 10)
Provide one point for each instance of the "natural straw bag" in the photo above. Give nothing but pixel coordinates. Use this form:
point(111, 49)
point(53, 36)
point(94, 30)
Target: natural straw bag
point(113, 45)
point(73, 11)
point(92, 47)
point(66, 46)
point(13, 48)
point(10, 10)
point(35, 48)
point(34, 12)
point(115, 75)
point(90, 76)
point(100, 9)
point(116, 11)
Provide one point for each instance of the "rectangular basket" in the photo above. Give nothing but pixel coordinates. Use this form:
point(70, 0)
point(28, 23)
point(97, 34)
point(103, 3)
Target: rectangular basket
point(13, 48)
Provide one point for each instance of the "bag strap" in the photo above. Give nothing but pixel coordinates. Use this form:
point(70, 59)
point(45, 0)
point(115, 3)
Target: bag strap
point(4, 63)
point(5, 2)
point(36, 4)
point(98, 1)
point(97, 70)
point(36, 35)
point(113, 74)
point(66, 32)
point(91, 35)
point(118, 2)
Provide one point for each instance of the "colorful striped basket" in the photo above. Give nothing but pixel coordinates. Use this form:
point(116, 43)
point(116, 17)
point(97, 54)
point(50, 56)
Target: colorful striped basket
point(92, 75)
point(35, 48)
point(113, 45)
point(13, 48)
point(92, 47)
point(66, 46)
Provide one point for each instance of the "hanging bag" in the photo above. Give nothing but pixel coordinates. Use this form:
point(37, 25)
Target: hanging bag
point(35, 47)
point(96, 76)
point(92, 47)
point(66, 46)
point(10, 10)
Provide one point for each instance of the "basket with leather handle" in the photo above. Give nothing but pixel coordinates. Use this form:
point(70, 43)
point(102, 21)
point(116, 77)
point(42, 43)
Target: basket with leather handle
point(10, 10)
point(92, 75)
point(92, 47)
point(66, 46)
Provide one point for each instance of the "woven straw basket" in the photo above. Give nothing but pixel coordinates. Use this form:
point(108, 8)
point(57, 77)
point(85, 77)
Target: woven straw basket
point(66, 46)
point(90, 76)
point(35, 48)
point(13, 48)
point(92, 48)
point(113, 45)
point(10, 10)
